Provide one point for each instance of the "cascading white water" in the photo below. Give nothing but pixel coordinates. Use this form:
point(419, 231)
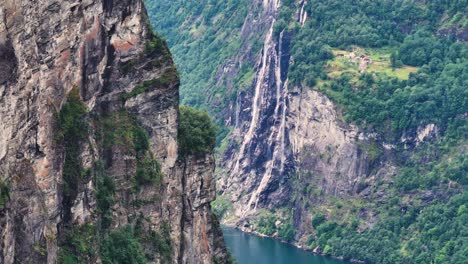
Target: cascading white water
point(303, 14)
point(283, 128)
point(274, 4)
point(237, 114)
point(257, 96)
point(269, 72)
point(278, 153)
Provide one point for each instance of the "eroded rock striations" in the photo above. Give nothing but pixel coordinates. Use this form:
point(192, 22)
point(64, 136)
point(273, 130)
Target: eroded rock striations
point(88, 140)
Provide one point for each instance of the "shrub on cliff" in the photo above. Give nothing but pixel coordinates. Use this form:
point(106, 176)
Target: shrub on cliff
point(73, 131)
point(121, 246)
point(197, 132)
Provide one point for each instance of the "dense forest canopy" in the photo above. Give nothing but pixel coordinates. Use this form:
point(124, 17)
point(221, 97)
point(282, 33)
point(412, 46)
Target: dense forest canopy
point(205, 32)
point(435, 94)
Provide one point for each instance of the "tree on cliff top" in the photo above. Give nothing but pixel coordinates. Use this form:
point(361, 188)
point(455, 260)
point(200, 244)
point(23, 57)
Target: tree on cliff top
point(197, 132)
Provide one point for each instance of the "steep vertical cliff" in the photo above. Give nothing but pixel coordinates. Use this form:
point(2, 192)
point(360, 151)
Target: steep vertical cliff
point(282, 131)
point(263, 116)
point(88, 141)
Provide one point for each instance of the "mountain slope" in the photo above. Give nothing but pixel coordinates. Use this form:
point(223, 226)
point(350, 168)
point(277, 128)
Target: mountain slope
point(346, 132)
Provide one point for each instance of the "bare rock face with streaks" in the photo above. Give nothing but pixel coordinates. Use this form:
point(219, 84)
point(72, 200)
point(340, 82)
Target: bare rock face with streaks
point(88, 138)
point(286, 137)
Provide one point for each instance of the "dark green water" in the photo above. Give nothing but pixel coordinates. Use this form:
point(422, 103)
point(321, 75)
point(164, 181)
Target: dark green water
point(250, 249)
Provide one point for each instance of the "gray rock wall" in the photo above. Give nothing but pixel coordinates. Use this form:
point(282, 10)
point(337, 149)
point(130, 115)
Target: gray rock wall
point(102, 49)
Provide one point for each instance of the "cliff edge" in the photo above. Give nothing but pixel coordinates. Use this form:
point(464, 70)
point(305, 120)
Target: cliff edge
point(89, 165)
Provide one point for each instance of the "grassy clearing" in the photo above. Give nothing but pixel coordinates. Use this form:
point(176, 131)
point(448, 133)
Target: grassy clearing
point(381, 64)
point(400, 73)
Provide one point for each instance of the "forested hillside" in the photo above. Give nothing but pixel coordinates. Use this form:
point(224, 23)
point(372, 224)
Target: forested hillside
point(411, 32)
point(203, 33)
point(423, 215)
point(397, 70)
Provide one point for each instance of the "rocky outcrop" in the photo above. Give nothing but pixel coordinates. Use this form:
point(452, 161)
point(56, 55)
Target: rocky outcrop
point(324, 146)
point(199, 229)
point(88, 136)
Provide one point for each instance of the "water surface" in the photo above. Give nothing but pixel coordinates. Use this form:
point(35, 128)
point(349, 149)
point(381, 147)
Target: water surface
point(250, 249)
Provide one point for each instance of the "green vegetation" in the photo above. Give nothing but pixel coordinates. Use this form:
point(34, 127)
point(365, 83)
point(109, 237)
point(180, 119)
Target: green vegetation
point(122, 129)
point(197, 133)
point(393, 107)
point(286, 232)
point(161, 242)
point(436, 235)
point(372, 150)
point(105, 190)
point(148, 172)
point(420, 217)
point(157, 45)
point(79, 245)
point(205, 33)
point(318, 219)
point(155, 55)
point(121, 246)
point(4, 194)
point(450, 165)
point(229, 260)
point(83, 244)
point(156, 243)
point(265, 223)
point(221, 206)
point(73, 131)
point(390, 106)
point(396, 99)
point(271, 223)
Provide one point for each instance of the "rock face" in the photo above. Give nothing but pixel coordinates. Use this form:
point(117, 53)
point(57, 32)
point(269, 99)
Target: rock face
point(103, 57)
point(260, 114)
point(324, 146)
point(285, 138)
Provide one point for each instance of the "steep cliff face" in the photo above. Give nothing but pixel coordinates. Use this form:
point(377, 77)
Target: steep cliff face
point(89, 116)
point(289, 140)
point(281, 132)
point(260, 113)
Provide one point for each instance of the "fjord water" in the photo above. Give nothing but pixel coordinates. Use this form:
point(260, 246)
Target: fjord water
point(250, 249)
